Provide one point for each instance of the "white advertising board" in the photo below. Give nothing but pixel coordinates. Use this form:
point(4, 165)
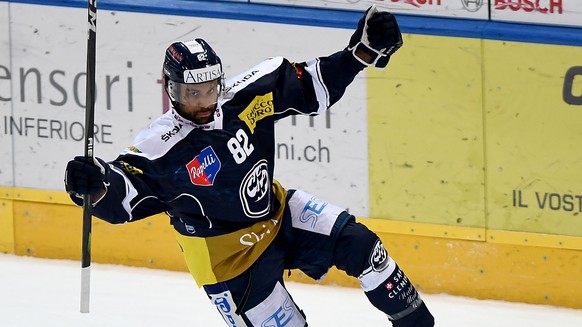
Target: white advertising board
point(475, 9)
point(326, 156)
point(547, 12)
point(5, 96)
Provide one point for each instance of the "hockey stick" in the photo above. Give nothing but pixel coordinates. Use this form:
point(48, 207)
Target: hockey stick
point(89, 134)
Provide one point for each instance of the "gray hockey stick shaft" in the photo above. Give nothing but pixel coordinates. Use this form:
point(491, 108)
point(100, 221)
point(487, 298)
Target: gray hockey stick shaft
point(89, 136)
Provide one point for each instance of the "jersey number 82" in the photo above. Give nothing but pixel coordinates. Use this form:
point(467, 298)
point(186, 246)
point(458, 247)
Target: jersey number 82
point(240, 147)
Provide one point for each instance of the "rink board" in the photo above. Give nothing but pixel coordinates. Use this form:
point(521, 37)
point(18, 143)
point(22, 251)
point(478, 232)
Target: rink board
point(456, 260)
point(532, 114)
point(425, 130)
point(478, 133)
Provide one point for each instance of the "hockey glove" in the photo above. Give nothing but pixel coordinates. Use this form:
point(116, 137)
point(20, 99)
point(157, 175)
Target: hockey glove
point(378, 35)
point(86, 176)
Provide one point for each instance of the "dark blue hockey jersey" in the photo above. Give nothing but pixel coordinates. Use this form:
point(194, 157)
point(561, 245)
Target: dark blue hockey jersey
point(215, 181)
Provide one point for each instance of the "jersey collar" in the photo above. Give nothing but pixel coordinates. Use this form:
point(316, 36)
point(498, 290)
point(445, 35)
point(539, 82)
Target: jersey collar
point(215, 124)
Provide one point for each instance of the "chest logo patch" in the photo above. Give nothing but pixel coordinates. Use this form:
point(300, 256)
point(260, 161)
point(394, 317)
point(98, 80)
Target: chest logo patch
point(204, 167)
point(259, 108)
point(255, 192)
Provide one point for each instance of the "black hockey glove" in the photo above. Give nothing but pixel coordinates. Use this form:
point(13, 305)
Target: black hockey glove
point(86, 176)
point(378, 35)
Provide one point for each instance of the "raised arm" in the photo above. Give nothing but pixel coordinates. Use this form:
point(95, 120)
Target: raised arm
point(313, 86)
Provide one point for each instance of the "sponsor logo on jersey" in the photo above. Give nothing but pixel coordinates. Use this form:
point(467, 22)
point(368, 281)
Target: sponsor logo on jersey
point(255, 192)
point(259, 108)
point(168, 135)
point(252, 238)
point(134, 149)
point(132, 169)
point(204, 167)
point(241, 81)
point(379, 257)
point(311, 212)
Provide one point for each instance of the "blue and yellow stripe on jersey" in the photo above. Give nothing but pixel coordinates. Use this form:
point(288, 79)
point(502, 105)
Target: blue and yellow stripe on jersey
point(219, 258)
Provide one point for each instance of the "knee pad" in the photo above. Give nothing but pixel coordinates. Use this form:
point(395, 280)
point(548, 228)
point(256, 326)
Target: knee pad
point(390, 290)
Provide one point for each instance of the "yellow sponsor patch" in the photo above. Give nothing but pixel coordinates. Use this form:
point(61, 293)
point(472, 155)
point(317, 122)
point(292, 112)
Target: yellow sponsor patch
point(132, 169)
point(259, 108)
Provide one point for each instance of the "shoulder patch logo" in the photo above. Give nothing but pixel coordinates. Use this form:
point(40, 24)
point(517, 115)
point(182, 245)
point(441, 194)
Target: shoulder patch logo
point(134, 149)
point(204, 167)
point(259, 108)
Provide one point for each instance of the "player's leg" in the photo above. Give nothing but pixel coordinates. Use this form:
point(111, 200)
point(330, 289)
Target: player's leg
point(360, 253)
point(323, 235)
point(257, 297)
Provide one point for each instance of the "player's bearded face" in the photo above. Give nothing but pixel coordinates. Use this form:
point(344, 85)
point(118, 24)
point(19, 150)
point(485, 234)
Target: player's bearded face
point(198, 101)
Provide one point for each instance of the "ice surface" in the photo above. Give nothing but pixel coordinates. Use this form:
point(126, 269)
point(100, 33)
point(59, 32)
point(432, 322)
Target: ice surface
point(46, 293)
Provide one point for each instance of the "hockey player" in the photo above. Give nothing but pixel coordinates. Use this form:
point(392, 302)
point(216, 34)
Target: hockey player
point(208, 163)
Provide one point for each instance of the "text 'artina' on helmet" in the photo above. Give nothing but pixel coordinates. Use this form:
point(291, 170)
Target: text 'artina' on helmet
point(191, 62)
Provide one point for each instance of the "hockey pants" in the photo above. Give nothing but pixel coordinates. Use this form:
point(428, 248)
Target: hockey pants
point(315, 236)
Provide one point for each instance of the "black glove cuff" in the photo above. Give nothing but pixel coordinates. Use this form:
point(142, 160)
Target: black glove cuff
point(379, 59)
